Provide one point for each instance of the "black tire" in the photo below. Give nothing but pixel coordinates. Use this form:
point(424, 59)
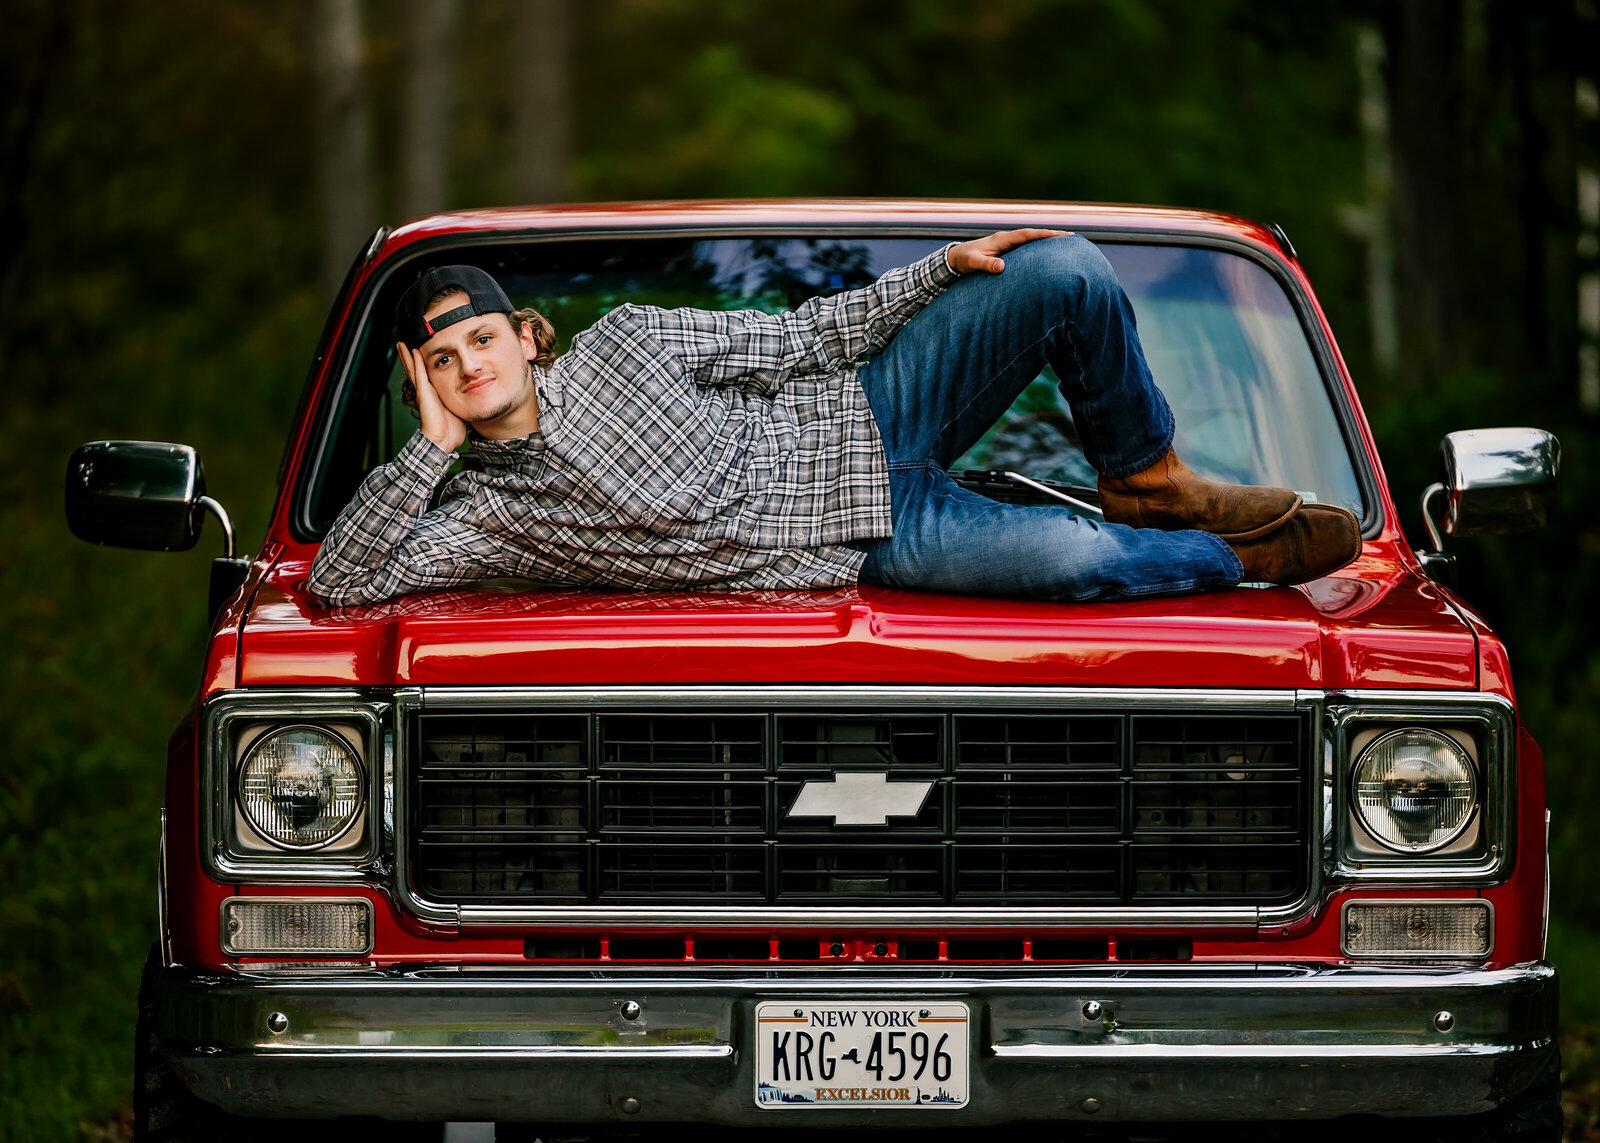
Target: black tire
point(1533, 1115)
point(165, 1111)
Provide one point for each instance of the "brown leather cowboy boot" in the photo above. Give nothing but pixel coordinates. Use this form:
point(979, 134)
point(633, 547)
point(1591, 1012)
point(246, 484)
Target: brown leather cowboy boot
point(1171, 495)
point(1317, 540)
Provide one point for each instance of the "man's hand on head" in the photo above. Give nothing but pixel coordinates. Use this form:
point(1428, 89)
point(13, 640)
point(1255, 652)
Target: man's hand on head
point(439, 424)
point(984, 253)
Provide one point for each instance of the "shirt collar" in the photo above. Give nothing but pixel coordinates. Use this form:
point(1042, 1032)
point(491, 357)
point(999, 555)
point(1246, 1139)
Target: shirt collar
point(509, 454)
point(505, 455)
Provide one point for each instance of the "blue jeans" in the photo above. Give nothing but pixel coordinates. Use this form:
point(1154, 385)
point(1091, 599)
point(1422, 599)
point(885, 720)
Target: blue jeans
point(955, 369)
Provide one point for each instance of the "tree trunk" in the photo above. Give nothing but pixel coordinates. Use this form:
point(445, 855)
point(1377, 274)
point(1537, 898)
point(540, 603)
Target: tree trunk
point(424, 138)
point(1587, 98)
point(1424, 45)
point(1485, 160)
point(1543, 73)
point(49, 42)
point(543, 114)
point(1375, 218)
point(341, 137)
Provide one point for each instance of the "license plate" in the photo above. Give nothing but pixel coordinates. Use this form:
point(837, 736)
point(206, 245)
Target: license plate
point(861, 1055)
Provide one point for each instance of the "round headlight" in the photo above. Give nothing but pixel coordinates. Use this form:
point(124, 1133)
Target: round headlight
point(301, 786)
point(1415, 790)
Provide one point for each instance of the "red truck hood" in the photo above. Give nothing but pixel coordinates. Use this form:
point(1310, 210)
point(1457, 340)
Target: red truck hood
point(1376, 624)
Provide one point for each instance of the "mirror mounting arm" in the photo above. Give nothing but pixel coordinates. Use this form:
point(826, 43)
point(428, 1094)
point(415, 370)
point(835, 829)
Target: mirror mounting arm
point(223, 519)
point(1435, 537)
point(1439, 565)
point(228, 572)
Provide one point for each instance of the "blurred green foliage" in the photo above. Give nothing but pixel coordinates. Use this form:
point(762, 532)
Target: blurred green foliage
point(157, 217)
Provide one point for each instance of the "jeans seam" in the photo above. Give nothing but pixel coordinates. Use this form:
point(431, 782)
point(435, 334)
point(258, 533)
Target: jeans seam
point(1230, 578)
point(1232, 557)
point(1146, 461)
point(992, 378)
point(1087, 413)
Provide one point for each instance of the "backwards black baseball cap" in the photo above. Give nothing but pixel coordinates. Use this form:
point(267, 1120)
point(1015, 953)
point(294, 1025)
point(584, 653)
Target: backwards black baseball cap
point(484, 296)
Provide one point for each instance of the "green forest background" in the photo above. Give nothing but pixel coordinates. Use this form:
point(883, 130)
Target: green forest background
point(169, 226)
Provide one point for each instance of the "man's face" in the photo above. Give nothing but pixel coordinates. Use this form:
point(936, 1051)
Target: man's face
point(479, 367)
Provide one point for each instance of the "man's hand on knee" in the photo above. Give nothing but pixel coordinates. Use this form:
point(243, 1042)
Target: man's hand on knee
point(984, 253)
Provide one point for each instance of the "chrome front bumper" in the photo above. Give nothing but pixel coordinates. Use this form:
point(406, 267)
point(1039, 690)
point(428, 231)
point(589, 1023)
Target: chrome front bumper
point(1185, 1042)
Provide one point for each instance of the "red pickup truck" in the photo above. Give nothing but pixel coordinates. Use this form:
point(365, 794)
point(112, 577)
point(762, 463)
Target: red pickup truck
point(591, 861)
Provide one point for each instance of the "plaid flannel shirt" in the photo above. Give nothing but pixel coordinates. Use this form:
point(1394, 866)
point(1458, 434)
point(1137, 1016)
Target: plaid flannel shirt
point(677, 448)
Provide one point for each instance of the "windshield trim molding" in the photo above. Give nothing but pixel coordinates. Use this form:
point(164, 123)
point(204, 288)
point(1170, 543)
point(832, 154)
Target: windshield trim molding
point(332, 397)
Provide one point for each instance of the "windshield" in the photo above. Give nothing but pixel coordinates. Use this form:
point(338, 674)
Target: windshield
point(1222, 339)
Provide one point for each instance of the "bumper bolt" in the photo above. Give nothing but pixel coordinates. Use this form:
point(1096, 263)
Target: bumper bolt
point(880, 949)
point(836, 949)
point(1444, 1021)
point(631, 1009)
point(1090, 1105)
point(277, 1022)
point(630, 1106)
point(1092, 1011)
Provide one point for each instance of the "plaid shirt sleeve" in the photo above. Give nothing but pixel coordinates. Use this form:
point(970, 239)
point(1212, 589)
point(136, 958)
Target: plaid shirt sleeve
point(758, 351)
point(385, 543)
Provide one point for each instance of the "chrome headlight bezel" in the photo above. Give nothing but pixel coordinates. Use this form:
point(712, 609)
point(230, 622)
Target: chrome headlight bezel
point(231, 848)
point(1483, 727)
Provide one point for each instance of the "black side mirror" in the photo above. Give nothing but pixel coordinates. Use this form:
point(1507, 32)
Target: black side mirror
point(152, 496)
point(136, 494)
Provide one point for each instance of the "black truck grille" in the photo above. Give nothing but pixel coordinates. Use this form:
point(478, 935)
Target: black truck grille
point(1020, 809)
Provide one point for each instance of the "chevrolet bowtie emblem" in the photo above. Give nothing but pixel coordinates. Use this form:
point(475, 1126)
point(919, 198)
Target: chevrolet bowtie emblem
point(860, 799)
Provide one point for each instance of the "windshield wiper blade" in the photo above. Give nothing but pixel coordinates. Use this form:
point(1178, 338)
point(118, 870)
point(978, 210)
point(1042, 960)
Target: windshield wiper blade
point(979, 478)
point(1052, 488)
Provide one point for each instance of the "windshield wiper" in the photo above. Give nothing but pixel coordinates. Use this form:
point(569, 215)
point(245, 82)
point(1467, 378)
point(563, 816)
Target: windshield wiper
point(991, 480)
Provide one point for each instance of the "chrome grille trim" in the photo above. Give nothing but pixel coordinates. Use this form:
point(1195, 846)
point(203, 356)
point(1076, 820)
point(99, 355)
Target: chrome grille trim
point(927, 697)
point(1040, 700)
